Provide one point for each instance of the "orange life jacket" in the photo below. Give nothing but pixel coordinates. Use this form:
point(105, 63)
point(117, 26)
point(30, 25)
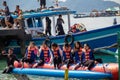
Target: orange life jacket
point(67, 52)
point(45, 52)
point(55, 52)
point(35, 49)
point(87, 56)
point(28, 54)
point(80, 52)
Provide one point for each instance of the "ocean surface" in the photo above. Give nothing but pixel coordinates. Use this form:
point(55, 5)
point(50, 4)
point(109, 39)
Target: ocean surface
point(91, 24)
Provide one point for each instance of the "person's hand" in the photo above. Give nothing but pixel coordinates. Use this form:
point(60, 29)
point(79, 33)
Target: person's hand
point(3, 52)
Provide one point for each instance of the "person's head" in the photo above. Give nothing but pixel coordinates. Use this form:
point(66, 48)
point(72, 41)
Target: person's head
point(17, 7)
point(4, 3)
point(47, 18)
point(32, 44)
point(60, 16)
point(67, 46)
point(44, 44)
point(86, 46)
point(54, 45)
point(10, 51)
point(77, 45)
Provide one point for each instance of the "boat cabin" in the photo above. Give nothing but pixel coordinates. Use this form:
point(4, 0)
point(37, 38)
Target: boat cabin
point(34, 20)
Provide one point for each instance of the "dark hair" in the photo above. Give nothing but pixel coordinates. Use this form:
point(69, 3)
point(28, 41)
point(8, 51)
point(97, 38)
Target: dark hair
point(45, 42)
point(54, 45)
point(60, 15)
point(66, 45)
point(47, 18)
point(32, 42)
point(87, 45)
point(17, 6)
point(77, 43)
point(11, 49)
point(4, 2)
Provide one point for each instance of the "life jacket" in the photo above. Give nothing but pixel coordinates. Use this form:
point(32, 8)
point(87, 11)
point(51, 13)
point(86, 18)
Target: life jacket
point(73, 29)
point(45, 52)
point(34, 49)
point(56, 52)
point(80, 52)
point(67, 52)
point(19, 12)
point(31, 55)
point(87, 54)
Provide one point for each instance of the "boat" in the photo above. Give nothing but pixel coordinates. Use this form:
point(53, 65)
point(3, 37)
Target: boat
point(80, 15)
point(95, 38)
point(99, 71)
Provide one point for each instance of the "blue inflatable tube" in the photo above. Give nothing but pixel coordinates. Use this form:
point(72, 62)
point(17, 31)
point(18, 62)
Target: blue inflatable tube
point(60, 73)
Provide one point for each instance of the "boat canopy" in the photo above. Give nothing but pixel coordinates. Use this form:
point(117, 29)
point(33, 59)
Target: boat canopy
point(43, 13)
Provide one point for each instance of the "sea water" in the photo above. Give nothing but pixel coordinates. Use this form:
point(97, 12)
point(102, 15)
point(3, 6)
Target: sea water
point(91, 24)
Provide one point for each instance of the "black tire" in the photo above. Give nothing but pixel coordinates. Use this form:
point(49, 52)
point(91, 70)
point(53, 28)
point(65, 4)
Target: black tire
point(69, 39)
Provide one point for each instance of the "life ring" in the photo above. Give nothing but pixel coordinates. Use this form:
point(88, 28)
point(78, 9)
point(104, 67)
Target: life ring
point(69, 39)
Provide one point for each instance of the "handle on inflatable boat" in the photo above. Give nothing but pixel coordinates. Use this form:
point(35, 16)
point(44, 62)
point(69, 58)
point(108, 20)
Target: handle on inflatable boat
point(66, 74)
point(119, 52)
point(104, 51)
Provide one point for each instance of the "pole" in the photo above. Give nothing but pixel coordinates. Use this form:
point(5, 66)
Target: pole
point(54, 27)
point(119, 52)
point(66, 74)
point(69, 22)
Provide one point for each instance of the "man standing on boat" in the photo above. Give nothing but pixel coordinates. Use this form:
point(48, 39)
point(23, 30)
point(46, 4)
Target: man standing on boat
point(48, 26)
point(59, 25)
point(42, 4)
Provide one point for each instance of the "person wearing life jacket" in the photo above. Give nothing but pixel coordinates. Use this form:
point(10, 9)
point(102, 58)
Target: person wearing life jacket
point(31, 54)
point(45, 55)
point(18, 10)
point(87, 57)
point(77, 53)
point(74, 29)
point(57, 56)
point(67, 55)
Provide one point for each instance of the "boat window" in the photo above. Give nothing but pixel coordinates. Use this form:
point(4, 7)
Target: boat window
point(38, 22)
point(30, 24)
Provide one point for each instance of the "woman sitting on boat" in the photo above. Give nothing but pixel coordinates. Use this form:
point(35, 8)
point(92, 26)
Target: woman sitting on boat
point(56, 51)
point(31, 54)
point(87, 57)
point(77, 51)
point(45, 55)
point(67, 55)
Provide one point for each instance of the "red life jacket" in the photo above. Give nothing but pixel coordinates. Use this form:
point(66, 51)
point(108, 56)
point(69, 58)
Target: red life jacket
point(55, 52)
point(67, 52)
point(35, 49)
point(46, 53)
point(87, 56)
point(80, 52)
point(28, 54)
point(19, 12)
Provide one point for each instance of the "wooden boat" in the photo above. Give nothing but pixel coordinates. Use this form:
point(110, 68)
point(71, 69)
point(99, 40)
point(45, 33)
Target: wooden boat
point(95, 38)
